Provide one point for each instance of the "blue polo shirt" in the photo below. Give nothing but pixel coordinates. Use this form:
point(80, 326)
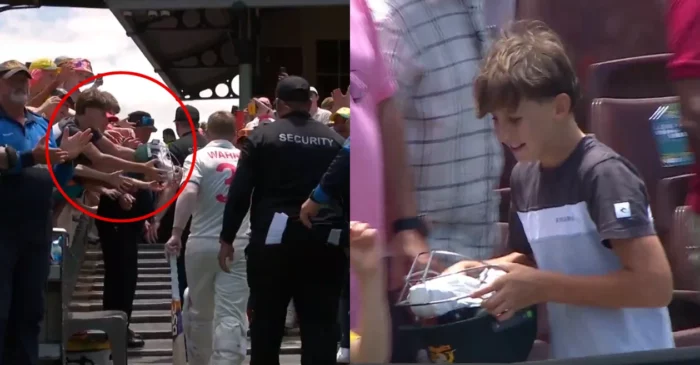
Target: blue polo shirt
point(26, 190)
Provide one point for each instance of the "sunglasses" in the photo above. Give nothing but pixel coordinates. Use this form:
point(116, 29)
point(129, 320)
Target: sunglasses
point(144, 121)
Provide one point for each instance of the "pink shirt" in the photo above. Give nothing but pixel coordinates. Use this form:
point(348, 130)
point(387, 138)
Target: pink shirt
point(370, 84)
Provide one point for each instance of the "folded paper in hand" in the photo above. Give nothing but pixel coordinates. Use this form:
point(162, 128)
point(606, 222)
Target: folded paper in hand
point(444, 287)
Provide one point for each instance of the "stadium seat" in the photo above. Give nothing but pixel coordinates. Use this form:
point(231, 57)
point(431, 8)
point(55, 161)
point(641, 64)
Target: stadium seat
point(684, 274)
point(627, 78)
point(633, 77)
point(685, 307)
point(670, 194)
point(623, 124)
point(629, 28)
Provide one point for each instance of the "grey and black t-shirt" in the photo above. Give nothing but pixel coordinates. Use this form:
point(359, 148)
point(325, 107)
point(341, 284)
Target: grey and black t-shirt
point(564, 217)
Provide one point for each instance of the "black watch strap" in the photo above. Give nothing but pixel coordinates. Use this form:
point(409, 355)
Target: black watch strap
point(413, 223)
point(12, 157)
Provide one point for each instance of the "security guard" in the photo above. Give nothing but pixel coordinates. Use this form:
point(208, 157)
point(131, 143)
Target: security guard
point(280, 164)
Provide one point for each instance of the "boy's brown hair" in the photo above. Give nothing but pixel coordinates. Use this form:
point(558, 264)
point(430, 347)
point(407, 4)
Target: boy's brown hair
point(93, 98)
point(528, 61)
point(114, 103)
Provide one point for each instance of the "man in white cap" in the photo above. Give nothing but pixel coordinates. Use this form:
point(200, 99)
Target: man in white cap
point(319, 114)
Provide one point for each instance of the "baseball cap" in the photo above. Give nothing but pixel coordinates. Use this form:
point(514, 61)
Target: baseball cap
point(264, 101)
point(61, 93)
point(112, 118)
point(313, 90)
point(180, 115)
point(42, 64)
point(61, 59)
point(142, 119)
point(82, 65)
point(343, 112)
point(293, 89)
point(12, 67)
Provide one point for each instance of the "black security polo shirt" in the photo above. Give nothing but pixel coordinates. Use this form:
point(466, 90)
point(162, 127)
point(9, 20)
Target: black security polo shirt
point(280, 164)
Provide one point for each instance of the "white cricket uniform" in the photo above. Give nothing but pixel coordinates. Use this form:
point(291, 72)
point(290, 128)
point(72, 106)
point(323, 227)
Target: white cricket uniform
point(217, 317)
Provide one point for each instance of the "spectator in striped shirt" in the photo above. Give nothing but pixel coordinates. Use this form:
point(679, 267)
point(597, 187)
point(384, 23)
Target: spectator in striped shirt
point(434, 50)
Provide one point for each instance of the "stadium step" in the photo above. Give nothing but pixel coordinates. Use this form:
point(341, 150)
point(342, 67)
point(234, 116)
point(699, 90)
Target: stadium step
point(97, 284)
point(164, 347)
point(143, 278)
point(151, 315)
point(139, 305)
point(143, 254)
point(143, 264)
point(100, 271)
point(140, 294)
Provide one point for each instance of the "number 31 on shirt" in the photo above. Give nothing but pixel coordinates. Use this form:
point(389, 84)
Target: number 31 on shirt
point(223, 168)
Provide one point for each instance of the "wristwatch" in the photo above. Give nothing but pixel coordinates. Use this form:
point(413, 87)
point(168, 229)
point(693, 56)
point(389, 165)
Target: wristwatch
point(413, 223)
point(11, 156)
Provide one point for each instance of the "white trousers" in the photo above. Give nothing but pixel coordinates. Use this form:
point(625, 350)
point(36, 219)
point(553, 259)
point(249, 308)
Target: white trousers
point(216, 315)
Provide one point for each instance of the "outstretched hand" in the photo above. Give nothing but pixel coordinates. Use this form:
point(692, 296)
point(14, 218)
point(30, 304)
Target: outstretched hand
point(520, 288)
point(75, 144)
point(56, 155)
point(119, 181)
point(340, 100)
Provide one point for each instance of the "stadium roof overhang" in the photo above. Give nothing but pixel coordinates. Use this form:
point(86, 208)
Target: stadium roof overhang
point(196, 45)
point(193, 45)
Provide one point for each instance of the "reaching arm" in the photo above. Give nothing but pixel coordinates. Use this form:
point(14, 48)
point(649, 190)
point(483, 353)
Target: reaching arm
point(44, 94)
point(375, 327)
point(239, 194)
point(335, 183)
point(90, 173)
point(63, 172)
point(186, 203)
point(110, 148)
point(105, 161)
point(96, 187)
point(163, 197)
point(394, 83)
point(172, 188)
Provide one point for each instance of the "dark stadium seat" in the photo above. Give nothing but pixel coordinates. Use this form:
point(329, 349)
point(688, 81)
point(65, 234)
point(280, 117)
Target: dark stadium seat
point(670, 194)
point(601, 30)
point(685, 307)
point(623, 124)
point(634, 77)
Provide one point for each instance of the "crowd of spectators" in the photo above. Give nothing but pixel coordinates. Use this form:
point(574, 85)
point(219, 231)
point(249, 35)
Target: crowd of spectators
point(102, 164)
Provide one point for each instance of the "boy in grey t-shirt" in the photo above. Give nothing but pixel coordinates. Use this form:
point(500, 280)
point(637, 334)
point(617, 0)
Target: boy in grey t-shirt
point(580, 224)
